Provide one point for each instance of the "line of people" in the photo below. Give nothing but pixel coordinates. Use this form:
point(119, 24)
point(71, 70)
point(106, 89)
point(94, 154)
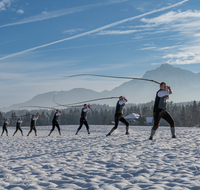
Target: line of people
point(159, 112)
point(18, 126)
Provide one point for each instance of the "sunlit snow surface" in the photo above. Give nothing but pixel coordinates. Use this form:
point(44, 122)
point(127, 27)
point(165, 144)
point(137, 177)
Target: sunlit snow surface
point(98, 162)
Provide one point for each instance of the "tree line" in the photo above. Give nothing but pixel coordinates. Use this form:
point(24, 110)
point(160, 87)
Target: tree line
point(184, 114)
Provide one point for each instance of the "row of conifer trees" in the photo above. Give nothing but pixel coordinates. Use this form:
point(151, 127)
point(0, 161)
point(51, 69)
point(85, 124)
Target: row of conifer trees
point(184, 114)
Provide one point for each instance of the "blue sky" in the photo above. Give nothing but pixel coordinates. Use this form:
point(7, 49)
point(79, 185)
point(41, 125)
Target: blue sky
point(41, 41)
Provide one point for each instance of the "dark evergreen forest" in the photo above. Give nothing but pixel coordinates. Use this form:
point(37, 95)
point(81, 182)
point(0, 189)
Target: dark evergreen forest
point(184, 114)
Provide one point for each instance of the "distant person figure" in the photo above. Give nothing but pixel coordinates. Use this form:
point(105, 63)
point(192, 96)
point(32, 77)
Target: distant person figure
point(119, 115)
point(18, 126)
point(6, 122)
point(83, 119)
point(55, 122)
point(33, 124)
point(160, 110)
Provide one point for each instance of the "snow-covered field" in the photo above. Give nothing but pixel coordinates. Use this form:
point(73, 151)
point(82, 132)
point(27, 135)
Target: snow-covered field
point(98, 162)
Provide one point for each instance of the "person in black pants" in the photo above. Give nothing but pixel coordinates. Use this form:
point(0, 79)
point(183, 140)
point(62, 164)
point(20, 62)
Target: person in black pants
point(83, 119)
point(160, 110)
point(33, 124)
point(55, 122)
point(119, 115)
point(6, 122)
point(18, 126)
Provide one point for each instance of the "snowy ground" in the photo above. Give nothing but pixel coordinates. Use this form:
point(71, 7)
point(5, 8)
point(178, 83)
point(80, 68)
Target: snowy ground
point(100, 162)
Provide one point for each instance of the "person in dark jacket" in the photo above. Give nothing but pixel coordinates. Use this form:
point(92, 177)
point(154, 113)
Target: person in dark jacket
point(160, 111)
point(83, 119)
point(33, 124)
point(55, 122)
point(18, 126)
point(6, 122)
point(119, 115)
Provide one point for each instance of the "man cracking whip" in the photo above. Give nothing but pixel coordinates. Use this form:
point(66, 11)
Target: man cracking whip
point(18, 126)
point(6, 122)
point(55, 122)
point(83, 119)
point(160, 110)
point(119, 115)
point(33, 124)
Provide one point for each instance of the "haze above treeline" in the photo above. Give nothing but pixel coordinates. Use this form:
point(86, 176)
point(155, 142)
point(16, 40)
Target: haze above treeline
point(185, 85)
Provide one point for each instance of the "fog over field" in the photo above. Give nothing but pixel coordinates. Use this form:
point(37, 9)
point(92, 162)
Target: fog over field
point(182, 82)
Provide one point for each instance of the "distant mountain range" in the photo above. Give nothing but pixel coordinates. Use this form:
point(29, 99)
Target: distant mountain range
point(185, 85)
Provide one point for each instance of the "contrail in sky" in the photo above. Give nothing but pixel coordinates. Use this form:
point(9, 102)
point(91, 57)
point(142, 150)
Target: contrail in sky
point(53, 14)
point(94, 31)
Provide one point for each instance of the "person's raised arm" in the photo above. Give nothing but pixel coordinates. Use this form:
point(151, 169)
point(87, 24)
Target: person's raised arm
point(169, 89)
point(89, 107)
point(123, 101)
point(35, 118)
